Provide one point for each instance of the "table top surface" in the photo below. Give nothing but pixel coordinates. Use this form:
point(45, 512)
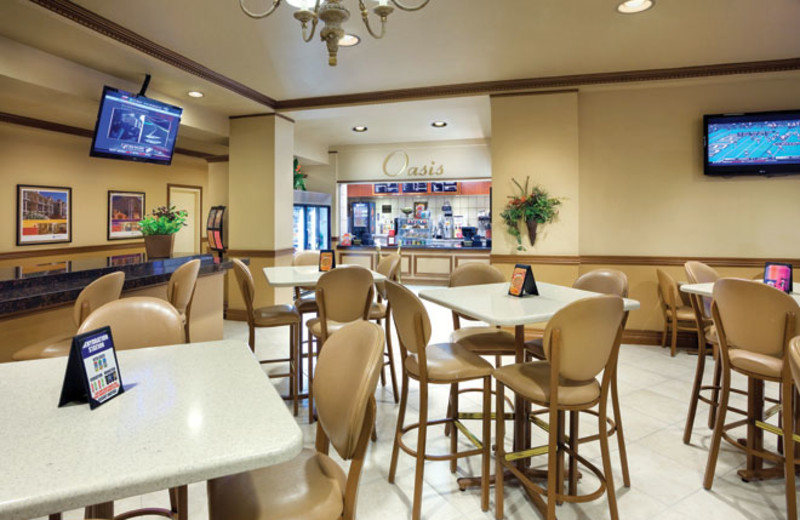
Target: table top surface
point(189, 413)
point(707, 289)
point(301, 275)
point(492, 303)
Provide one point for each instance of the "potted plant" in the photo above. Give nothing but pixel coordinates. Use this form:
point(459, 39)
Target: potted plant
point(159, 228)
point(533, 205)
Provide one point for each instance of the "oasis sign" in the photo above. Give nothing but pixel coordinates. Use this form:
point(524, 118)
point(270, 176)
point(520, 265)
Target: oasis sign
point(396, 164)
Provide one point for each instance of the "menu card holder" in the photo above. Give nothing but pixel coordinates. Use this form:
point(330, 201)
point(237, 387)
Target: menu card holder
point(92, 370)
point(327, 260)
point(522, 281)
point(778, 275)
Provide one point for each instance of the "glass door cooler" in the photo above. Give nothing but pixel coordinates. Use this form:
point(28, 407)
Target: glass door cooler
point(311, 221)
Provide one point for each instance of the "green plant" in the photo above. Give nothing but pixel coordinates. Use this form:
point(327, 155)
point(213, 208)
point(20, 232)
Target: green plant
point(299, 177)
point(529, 205)
point(163, 221)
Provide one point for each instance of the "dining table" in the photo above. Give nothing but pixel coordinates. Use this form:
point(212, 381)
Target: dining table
point(188, 413)
point(302, 275)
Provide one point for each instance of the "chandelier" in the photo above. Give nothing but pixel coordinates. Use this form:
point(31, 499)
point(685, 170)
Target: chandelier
point(333, 14)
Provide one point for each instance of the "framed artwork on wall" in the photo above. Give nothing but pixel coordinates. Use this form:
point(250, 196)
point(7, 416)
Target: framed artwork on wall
point(125, 210)
point(44, 215)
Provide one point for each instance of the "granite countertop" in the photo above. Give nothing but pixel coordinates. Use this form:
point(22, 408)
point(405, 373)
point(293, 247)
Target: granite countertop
point(29, 288)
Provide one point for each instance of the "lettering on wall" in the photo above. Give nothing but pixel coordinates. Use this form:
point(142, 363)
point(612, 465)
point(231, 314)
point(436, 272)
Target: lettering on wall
point(396, 164)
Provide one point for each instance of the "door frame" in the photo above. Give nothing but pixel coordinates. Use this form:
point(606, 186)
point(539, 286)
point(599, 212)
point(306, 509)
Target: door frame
point(202, 219)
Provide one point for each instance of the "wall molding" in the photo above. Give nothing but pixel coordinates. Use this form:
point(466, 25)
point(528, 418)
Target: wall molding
point(638, 260)
point(218, 158)
point(10, 255)
point(259, 253)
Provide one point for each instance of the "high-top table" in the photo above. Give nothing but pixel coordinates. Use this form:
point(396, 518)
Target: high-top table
point(707, 289)
point(189, 413)
point(301, 275)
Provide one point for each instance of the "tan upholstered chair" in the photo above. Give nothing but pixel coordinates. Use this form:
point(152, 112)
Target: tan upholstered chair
point(677, 316)
point(344, 295)
point(314, 486)
point(755, 323)
point(698, 272)
point(272, 316)
point(180, 290)
point(101, 291)
point(445, 363)
point(580, 341)
point(389, 266)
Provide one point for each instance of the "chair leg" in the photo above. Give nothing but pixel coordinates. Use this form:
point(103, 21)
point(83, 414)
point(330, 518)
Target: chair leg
point(664, 333)
point(390, 353)
point(561, 427)
point(712, 416)
point(552, 462)
point(453, 413)
point(56, 516)
point(383, 367)
point(448, 427)
point(310, 377)
point(179, 502)
point(401, 416)
point(295, 364)
point(500, 450)
point(623, 451)
point(572, 470)
point(693, 400)
point(674, 344)
point(719, 424)
point(486, 443)
point(787, 391)
point(604, 451)
point(300, 356)
point(419, 470)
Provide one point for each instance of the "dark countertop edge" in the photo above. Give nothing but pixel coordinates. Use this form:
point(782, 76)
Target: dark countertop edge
point(415, 248)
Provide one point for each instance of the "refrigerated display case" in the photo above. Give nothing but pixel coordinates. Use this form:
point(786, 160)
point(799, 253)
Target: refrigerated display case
point(312, 221)
point(413, 231)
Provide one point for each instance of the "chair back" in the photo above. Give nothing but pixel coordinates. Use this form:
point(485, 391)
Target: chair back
point(588, 332)
point(345, 381)
point(101, 291)
point(180, 290)
point(603, 281)
point(410, 318)
point(794, 360)
point(345, 294)
point(138, 322)
point(698, 272)
point(247, 285)
point(753, 316)
point(473, 273)
point(668, 289)
point(389, 266)
point(306, 258)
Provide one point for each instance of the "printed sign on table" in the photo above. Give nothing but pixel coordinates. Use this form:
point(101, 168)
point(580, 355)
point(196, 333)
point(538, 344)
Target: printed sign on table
point(327, 260)
point(522, 281)
point(779, 276)
point(92, 370)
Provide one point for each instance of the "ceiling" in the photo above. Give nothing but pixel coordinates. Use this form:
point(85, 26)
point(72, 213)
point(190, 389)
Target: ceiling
point(446, 43)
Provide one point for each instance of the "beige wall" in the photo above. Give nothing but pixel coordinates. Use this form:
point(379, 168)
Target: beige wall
point(33, 156)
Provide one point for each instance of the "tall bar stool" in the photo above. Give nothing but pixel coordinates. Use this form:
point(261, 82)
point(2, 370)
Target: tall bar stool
point(180, 291)
point(305, 299)
point(444, 363)
point(677, 317)
point(389, 267)
point(344, 295)
point(791, 431)
point(272, 316)
point(580, 341)
point(755, 323)
point(101, 291)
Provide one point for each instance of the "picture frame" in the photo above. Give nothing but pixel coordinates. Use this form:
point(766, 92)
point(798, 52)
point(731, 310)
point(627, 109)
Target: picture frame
point(44, 214)
point(125, 210)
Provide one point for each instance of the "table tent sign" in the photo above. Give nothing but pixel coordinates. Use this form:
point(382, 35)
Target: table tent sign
point(779, 276)
point(327, 260)
point(522, 281)
point(92, 370)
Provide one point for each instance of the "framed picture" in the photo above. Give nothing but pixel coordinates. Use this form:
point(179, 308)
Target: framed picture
point(125, 210)
point(44, 215)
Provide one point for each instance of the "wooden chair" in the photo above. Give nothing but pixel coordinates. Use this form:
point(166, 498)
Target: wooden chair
point(313, 485)
point(305, 299)
point(445, 363)
point(755, 323)
point(180, 291)
point(580, 341)
point(343, 295)
point(677, 317)
point(790, 434)
point(271, 316)
point(101, 291)
point(389, 266)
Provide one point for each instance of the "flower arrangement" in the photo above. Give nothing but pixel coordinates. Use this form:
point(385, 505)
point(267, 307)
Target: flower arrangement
point(533, 205)
point(163, 220)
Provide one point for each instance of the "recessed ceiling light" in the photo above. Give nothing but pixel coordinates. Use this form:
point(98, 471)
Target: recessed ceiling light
point(359, 128)
point(349, 40)
point(439, 124)
point(635, 6)
point(195, 94)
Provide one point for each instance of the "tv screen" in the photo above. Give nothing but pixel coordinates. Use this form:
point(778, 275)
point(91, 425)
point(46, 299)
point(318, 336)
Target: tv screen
point(759, 143)
point(135, 128)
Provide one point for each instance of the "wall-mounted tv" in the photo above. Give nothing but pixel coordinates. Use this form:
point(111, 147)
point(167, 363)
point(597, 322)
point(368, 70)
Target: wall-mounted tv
point(135, 128)
point(758, 143)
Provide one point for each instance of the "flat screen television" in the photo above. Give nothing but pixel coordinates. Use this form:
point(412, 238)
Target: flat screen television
point(758, 143)
point(135, 128)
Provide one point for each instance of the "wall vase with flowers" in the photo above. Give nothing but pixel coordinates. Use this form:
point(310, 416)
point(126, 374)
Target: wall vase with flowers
point(533, 206)
point(159, 230)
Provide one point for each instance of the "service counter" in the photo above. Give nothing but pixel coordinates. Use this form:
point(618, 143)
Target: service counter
point(419, 265)
point(36, 301)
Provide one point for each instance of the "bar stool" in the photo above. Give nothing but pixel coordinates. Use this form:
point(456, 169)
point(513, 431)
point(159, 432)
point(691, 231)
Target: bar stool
point(755, 323)
point(272, 316)
point(580, 341)
point(344, 295)
point(389, 267)
point(180, 291)
point(305, 299)
point(444, 363)
point(677, 317)
point(790, 431)
point(101, 291)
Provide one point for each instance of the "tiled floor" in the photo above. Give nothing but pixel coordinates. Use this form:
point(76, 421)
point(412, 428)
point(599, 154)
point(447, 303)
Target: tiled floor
point(666, 475)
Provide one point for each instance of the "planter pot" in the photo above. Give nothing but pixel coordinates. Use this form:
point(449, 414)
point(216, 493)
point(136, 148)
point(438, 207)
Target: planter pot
point(532, 230)
point(159, 246)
